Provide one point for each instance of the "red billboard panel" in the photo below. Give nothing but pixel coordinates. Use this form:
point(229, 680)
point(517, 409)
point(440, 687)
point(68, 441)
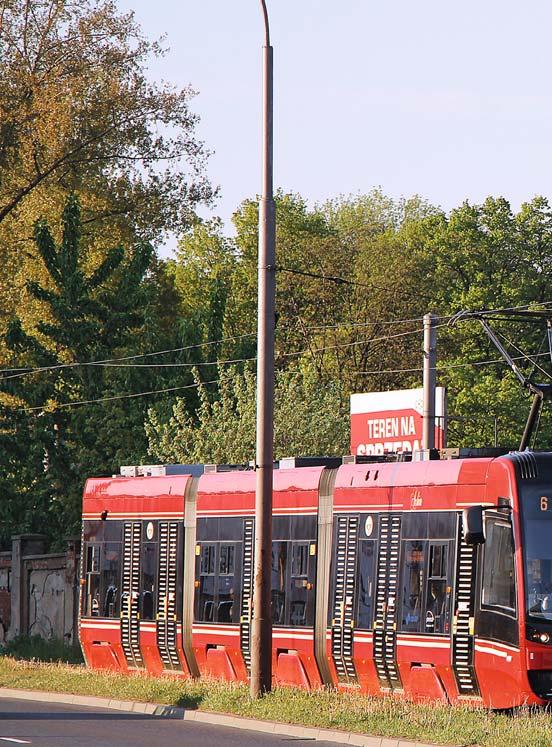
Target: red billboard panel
point(393, 421)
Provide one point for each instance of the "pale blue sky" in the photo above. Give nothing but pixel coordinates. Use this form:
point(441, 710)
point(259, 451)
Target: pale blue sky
point(449, 100)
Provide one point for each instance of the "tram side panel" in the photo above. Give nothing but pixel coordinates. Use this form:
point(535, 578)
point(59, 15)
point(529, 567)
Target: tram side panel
point(99, 628)
point(300, 575)
point(394, 595)
point(500, 646)
point(224, 575)
point(131, 601)
point(360, 577)
point(220, 567)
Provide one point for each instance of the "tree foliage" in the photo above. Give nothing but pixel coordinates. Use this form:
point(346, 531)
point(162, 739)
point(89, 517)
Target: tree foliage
point(50, 443)
point(79, 113)
point(308, 420)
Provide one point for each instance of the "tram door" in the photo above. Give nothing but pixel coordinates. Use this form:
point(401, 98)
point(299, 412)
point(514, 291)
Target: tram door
point(346, 529)
point(387, 593)
point(150, 600)
point(130, 594)
point(247, 590)
point(168, 605)
point(462, 632)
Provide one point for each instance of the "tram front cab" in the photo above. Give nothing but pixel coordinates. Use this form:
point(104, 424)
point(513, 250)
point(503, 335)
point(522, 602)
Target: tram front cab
point(535, 500)
point(515, 602)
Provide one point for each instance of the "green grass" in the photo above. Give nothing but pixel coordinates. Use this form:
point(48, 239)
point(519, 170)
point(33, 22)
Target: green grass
point(321, 709)
point(35, 648)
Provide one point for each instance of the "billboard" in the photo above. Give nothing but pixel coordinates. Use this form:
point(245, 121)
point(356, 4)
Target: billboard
point(393, 421)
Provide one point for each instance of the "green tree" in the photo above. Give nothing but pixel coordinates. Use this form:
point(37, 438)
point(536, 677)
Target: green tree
point(308, 420)
point(77, 112)
point(486, 257)
point(89, 315)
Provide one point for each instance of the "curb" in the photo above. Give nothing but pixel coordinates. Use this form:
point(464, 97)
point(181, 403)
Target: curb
point(215, 719)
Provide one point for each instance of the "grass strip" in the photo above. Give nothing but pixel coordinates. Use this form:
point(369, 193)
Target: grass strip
point(321, 709)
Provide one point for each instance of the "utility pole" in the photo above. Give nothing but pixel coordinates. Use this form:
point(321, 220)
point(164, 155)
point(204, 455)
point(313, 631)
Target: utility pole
point(430, 378)
point(261, 633)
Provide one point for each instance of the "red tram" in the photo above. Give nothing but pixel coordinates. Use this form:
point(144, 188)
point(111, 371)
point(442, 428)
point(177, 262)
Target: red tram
point(422, 579)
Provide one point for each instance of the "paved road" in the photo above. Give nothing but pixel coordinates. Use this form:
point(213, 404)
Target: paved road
point(57, 725)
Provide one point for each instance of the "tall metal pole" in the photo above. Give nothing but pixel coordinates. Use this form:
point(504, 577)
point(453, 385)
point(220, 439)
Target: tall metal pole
point(430, 378)
point(261, 633)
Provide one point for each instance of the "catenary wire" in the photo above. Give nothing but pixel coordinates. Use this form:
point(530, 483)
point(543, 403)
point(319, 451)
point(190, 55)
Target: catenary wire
point(27, 370)
point(40, 369)
point(121, 396)
point(216, 381)
point(445, 367)
point(469, 315)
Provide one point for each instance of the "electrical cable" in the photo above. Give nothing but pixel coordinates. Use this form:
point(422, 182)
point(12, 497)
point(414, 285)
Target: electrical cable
point(331, 278)
point(123, 358)
point(444, 367)
point(524, 356)
point(417, 319)
point(120, 396)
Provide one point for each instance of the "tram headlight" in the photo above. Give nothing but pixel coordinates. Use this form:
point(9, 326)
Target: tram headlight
point(539, 636)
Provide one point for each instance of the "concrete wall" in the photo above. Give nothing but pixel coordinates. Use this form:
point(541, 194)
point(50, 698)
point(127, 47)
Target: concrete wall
point(39, 591)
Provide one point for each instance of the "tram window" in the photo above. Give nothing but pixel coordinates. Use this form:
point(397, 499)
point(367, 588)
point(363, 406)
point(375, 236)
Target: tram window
point(279, 574)
point(225, 601)
point(93, 559)
point(281, 529)
point(437, 603)
point(437, 561)
point(442, 525)
point(110, 579)
point(414, 525)
point(301, 527)
point(112, 531)
point(299, 593)
point(206, 596)
point(226, 563)
point(299, 559)
point(366, 557)
point(498, 567)
point(219, 571)
point(207, 559)
point(147, 588)
point(412, 586)
point(92, 598)
point(93, 531)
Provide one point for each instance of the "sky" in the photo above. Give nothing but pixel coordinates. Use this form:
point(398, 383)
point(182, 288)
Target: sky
point(449, 100)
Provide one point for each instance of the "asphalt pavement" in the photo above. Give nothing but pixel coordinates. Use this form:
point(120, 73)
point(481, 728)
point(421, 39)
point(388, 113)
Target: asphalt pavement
point(45, 724)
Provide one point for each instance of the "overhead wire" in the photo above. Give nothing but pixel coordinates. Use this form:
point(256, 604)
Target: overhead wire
point(191, 386)
point(524, 356)
point(445, 367)
point(27, 370)
point(331, 278)
point(119, 396)
point(115, 361)
point(104, 361)
point(468, 316)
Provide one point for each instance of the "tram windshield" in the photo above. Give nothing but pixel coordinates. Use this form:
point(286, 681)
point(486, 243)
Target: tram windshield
point(537, 540)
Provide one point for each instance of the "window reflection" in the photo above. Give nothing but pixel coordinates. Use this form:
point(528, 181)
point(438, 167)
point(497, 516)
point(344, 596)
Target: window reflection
point(498, 567)
point(538, 566)
point(149, 565)
point(413, 575)
point(278, 592)
point(366, 555)
point(110, 579)
point(218, 580)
